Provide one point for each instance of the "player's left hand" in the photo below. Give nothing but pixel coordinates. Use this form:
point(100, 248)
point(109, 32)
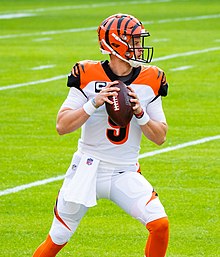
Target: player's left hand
point(135, 101)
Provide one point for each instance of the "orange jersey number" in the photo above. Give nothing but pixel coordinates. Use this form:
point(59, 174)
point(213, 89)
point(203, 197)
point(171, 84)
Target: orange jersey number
point(116, 134)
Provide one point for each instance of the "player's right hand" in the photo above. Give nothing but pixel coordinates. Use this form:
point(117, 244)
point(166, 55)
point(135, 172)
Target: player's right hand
point(106, 91)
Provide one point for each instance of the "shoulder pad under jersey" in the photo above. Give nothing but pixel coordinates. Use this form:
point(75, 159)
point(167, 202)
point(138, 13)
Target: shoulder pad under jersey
point(163, 90)
point(157, 81)
point(76, 77)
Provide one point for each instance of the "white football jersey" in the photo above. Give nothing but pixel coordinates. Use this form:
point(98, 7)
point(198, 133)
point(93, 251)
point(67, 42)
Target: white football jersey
point(101, 137)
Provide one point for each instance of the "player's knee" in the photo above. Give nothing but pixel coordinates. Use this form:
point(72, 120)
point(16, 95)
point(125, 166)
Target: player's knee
point(164, 224)
point(159, 226)
point(146, 212)
point(60, 234)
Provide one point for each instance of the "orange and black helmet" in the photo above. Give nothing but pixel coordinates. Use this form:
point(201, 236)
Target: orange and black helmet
point(116, 36)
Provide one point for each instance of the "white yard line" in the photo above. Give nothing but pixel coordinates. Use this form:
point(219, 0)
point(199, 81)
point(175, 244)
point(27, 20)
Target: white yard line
point(51, 32)
point(155, 60)
point(41, 39)
point(88, 6)
point(182, 68)
point(172, 56)
point(33, 82)
point(15, 15)
point(156, 40)
point(173, 148)
point(141, 156)
point(42, 67)
point(33, 184)
point(74, 30)
point(201, 17)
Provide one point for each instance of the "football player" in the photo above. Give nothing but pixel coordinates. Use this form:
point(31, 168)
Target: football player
point(105, 164)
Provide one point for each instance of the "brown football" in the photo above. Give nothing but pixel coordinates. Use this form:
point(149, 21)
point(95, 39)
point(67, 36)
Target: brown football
point(120, 112)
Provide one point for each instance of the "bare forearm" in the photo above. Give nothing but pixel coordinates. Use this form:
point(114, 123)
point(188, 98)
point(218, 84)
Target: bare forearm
point(69, 120)
point(155, 131)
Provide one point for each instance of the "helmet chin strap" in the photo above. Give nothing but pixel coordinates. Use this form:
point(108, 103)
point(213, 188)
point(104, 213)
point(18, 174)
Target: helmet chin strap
point(132, 63)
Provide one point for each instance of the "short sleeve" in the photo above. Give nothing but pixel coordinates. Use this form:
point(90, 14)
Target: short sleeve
point(75, 99)
point(155, 110)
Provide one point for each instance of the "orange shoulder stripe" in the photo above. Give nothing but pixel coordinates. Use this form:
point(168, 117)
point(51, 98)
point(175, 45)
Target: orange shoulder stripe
point(150, 76)
point(91, 71)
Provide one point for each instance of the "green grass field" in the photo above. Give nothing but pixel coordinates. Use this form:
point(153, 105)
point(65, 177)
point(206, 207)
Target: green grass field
point(34, 50)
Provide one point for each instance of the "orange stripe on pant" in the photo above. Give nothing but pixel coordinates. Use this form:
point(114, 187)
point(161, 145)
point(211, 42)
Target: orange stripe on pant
point(154, 195)
point(58, 216)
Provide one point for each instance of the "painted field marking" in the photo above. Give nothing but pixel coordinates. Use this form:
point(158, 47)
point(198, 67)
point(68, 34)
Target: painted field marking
point(182, 68)
point(15, 15)
point(51, 32)
point(74, 30)
point(141, 156)
point(33, 184)
point(201, 17)
point(156, 40)
point(41, 39)
point(173, 148)
point(65, 76)
point(42, 67)
point(33, 82)
point(91, 6)
point(172, 56)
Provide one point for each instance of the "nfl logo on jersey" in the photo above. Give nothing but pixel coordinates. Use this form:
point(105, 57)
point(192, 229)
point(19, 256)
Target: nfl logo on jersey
point(89, 161)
